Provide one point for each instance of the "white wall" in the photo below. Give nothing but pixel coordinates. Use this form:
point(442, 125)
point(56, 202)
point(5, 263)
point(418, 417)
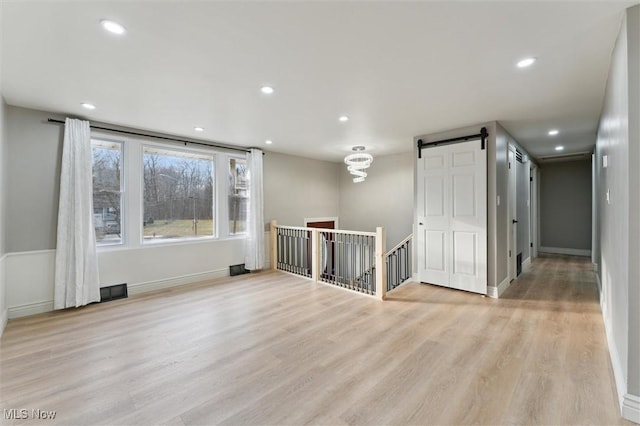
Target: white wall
point(296, 188)
point(30, 274)
point(619, 233)
point(385, 198)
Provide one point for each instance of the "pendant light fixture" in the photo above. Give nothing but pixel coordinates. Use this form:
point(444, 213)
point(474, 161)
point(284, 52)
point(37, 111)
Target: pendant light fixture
point(358, 162)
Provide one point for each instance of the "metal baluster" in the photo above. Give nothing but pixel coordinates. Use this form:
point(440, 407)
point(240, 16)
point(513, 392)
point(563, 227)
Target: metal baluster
point(373, 277)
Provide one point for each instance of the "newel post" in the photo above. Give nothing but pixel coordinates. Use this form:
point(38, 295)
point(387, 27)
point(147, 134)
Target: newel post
point(273, 255)
point(315, 255)
point(381, 263)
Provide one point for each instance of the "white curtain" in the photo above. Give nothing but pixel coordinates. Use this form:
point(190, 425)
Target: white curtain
point(254, 250)
point(76, 277)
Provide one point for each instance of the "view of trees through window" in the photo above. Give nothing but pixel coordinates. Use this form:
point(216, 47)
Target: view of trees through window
point(238, 195)
point(107, 202)
point(178, 194)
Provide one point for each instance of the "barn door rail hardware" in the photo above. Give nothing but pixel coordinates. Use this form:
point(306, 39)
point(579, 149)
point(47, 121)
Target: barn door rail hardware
point(482, 135)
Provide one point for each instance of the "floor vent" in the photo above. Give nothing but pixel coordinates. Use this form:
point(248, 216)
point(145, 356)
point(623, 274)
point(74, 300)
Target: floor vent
point(118, 291)
point(238, 270)
point(518, 264)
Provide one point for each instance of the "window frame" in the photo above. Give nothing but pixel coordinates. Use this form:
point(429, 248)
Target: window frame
point(122, 192)
point(132, 197)
point(169, 147)
point(228, 159)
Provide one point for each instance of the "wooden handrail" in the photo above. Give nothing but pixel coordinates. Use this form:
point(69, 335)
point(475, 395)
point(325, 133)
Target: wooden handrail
point(401, 243)
point(335, 231)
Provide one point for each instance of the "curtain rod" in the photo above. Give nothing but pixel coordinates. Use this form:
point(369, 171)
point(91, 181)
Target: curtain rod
point(146, 135)
point(482, 135)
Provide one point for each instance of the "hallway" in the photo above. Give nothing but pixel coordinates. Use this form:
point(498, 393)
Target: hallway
point(271, 348)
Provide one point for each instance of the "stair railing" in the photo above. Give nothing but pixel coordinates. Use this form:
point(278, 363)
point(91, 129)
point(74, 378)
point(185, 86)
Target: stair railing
point(352, 260)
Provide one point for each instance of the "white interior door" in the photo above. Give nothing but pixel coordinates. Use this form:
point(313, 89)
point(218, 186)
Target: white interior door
point(452, 216)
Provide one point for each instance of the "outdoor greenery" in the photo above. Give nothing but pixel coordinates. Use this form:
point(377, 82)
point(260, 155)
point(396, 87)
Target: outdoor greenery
point(177, 228)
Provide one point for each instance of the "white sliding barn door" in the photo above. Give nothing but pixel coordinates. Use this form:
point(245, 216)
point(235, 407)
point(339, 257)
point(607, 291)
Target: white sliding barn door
point(452, 216)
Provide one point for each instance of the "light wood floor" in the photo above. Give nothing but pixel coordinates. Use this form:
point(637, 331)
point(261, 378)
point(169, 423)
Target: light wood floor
point(275, 349)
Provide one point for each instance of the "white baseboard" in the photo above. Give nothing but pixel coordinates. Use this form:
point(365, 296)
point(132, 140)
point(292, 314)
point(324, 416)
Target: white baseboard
point(47, 306)
point(30, 309)
point(631, 408)
point(569, 251)
point(145, 287)
point(526, 264)
point(618, 375)
point(3, 320)
point(496, 292)
point(4, 315)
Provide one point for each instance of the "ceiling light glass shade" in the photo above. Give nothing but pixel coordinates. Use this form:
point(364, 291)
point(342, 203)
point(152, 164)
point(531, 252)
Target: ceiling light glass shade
point(526, 62)
point(113, 27)
point(357, 163)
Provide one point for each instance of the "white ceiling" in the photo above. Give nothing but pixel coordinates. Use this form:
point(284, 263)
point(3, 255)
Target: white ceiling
point(397, 69)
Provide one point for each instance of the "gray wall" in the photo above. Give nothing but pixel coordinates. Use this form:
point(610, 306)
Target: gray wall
point(296, 188)
point(618, 228)
point(501, 177)
point(565, 205)
point(35, 149)
point(385, 198)
point(4, 174)
point(633, 49)
point(3, 209)
point(3, 200)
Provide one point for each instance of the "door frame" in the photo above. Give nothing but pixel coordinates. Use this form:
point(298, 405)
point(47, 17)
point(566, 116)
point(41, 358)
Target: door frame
point(334, 219)
point(533, 215)
point(512, 205)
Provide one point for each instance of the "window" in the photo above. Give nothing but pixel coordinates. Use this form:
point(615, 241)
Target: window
point(107, 191)
point(178, 197)
point(238, 196)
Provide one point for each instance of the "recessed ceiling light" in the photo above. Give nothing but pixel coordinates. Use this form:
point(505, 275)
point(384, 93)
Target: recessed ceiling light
point(268, 142)
point(343, 118)
point(88, 105)
point(526, 62)
point(553, 132)
point(113, 27)
point(559, 148)
point(267, 90)
point(199, 129)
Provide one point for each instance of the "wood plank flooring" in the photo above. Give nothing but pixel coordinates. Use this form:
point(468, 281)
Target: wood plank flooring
point(272, 348)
